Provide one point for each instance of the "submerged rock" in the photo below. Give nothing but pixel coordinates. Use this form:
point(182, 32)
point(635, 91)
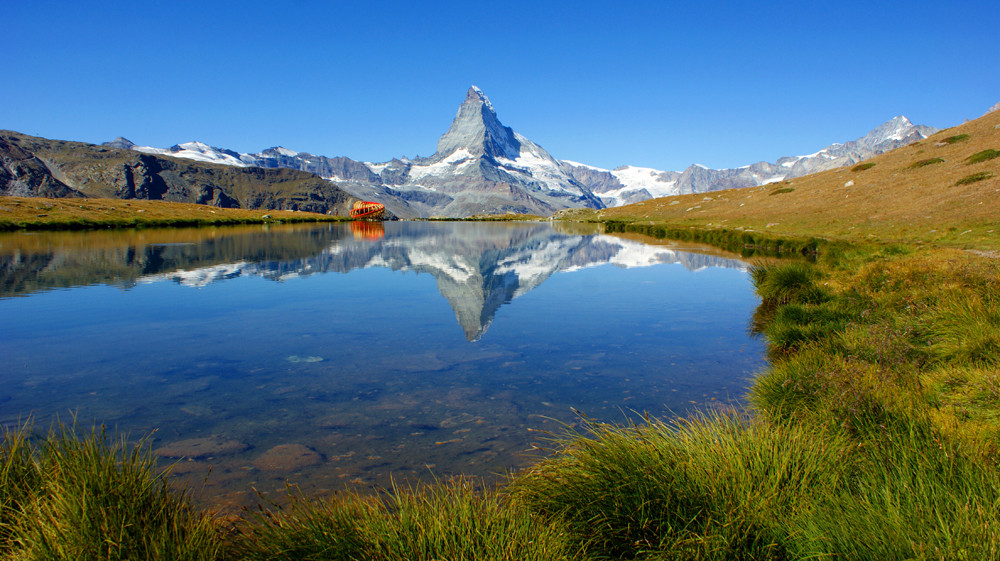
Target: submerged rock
point(287, 457)
point(200, 447)
point(297, 358)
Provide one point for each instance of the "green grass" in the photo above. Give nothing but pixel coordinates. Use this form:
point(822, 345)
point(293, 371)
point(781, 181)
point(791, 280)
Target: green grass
point(782, 190)
point(925, 162)
point(978, 176)
point(956, 138)
point(706, 488)
point(446, 521)
point(983, 156)
point(69, 496)
point(863, 167)
point(747, 244)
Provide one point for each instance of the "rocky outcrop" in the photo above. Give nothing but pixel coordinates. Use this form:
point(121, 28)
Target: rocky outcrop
point(32, 166)
point(24, 175)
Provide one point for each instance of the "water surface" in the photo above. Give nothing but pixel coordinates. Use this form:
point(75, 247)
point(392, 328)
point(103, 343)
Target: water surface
point(341, 355)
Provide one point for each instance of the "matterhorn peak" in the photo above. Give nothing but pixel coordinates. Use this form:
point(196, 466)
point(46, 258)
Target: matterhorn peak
point(477, 130)
point(475, 94)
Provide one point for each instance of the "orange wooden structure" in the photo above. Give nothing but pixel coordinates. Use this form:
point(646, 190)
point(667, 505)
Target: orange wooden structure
point(367, 210)
point(367, 230)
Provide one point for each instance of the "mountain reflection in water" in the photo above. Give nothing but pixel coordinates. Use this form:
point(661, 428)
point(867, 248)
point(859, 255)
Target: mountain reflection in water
point(259, 355)
point(479, 267)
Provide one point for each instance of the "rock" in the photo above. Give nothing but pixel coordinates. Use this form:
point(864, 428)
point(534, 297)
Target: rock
point(200, 448)
point(297, 358)
point(287, 457)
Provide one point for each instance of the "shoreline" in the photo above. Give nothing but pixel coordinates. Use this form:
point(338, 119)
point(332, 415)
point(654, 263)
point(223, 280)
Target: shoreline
point(36, 214)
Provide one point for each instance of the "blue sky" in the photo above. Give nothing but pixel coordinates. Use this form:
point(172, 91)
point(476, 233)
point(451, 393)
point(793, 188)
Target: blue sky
point(656, 84)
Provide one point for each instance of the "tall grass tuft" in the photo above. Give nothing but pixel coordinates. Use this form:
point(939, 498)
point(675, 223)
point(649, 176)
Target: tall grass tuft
point(782, 283)
point(918, 496)
point(20, 479)
point(718, 487)
point(91, 497)
point(446, 521)
point(967, 332)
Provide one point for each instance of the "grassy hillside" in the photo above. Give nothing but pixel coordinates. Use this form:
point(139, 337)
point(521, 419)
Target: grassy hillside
point(943, 190)
point(36, 213)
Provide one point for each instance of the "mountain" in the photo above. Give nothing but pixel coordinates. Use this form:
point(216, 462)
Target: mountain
point(38, 167)
point(482, 166)
point(630, 184)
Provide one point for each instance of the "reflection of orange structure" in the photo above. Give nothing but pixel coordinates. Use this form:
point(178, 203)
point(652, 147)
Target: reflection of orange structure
point(364, 230)
point(367, 210)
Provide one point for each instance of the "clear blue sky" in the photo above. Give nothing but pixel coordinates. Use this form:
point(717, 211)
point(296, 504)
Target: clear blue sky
point(657, 84)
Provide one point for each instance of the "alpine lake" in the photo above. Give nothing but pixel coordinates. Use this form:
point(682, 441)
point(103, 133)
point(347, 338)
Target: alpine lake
point(353, 355)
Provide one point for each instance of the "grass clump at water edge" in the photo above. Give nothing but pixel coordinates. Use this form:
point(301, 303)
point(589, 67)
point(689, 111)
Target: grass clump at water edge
point(450, 520)
point(67, 496)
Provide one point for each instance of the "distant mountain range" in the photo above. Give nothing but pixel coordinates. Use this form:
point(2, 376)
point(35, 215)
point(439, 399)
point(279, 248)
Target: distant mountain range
point(484, 167)
point(630, 184)
point(480, 166)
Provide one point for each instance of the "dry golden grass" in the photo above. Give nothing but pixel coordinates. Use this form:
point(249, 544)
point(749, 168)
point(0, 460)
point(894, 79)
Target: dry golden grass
point(40, 213)
point(890, 201)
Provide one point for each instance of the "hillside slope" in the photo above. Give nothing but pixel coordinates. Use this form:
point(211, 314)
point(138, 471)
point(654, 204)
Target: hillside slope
point(32, 167)
point(943, 189)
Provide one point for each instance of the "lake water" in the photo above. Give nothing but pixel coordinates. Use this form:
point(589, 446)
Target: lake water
point(342, 355)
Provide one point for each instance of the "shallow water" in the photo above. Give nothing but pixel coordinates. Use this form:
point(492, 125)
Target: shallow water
point(342, 355)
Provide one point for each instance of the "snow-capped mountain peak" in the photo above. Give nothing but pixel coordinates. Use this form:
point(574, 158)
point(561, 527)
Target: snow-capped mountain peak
point(482, 97)
point(198, 151)
point(630, 184)
point(477, 129)
point(483, 167)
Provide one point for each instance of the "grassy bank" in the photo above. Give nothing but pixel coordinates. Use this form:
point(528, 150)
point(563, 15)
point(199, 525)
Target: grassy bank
point(873, 435)
point(33, 213)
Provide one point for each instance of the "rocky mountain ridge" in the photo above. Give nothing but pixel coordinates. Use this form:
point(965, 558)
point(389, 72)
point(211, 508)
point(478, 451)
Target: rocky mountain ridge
point(630, 184)
point(482, 166)
point(38, 167)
